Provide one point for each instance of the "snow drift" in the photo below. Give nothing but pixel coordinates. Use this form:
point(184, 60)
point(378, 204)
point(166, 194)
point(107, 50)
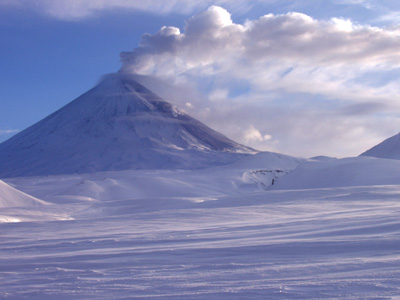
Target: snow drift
point(346, 172)
point(117, 125)
point(11, 197)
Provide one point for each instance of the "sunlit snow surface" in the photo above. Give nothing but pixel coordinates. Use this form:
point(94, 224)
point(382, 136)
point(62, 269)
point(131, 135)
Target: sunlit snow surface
point(210, 234)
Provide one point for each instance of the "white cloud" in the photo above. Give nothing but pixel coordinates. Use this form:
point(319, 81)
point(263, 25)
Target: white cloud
point(267, 137)
point(253, 134)
point(8, 131)
point(219, 94)
point(382, 11)
point(343, 25)
point(213, 43)
point(289, 75)
point(80, 9)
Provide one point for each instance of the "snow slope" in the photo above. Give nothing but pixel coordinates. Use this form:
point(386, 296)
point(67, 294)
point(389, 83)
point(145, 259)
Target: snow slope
point(389, 148)
point(326, 229)
point(331, 243)
point(11, 197)
point(253, 173)
point(260, 172)
point(16, 202)
point(354, 171)
point(117, 125)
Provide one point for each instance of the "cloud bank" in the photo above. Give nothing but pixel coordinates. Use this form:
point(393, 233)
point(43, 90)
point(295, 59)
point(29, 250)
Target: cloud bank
point(378, 11)
point(80, 9)
point(286, 83)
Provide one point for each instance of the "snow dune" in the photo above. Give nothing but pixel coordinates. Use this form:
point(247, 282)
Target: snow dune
point(11, 197)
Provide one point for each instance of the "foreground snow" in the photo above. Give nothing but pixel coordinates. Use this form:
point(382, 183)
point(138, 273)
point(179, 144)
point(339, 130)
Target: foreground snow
point(219, 233)
point(328, 243)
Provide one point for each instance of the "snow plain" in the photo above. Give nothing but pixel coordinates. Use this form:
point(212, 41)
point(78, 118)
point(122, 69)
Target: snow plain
point(217, 233)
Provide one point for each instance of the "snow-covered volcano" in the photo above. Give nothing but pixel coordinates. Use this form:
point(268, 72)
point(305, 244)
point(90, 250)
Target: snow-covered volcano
point(389, 148)
point(119, 124)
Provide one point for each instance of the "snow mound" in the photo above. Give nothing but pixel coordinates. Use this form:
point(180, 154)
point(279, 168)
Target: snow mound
point(389, 148)
point(268, 160)
point(346, 172)
point(11, 197)
point(117, 125)
point(263, 169)
point(252, 174)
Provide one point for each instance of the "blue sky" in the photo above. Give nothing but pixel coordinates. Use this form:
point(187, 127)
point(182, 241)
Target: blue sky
point(299, 77)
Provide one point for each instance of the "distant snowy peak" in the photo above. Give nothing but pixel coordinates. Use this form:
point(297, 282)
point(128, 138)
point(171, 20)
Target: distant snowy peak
point(119, 124)
point(389, 148)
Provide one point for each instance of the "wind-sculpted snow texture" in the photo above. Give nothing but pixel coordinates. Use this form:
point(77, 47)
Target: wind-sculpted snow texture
point(117, 125)
point(207, 234)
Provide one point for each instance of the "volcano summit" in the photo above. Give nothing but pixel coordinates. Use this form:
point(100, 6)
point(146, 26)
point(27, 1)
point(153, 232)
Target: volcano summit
point(117, 125)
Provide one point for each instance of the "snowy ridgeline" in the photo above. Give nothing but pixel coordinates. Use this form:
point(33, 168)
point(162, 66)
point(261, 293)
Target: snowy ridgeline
point(326, 229)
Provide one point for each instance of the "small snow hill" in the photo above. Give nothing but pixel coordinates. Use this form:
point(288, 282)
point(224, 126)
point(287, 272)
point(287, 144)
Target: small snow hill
point(11, 197)
point(389, 148)
point(117, 125)
point(345, 172)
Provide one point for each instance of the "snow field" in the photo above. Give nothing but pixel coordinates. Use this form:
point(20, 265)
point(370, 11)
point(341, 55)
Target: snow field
point(216, 237)
point(323, 230)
